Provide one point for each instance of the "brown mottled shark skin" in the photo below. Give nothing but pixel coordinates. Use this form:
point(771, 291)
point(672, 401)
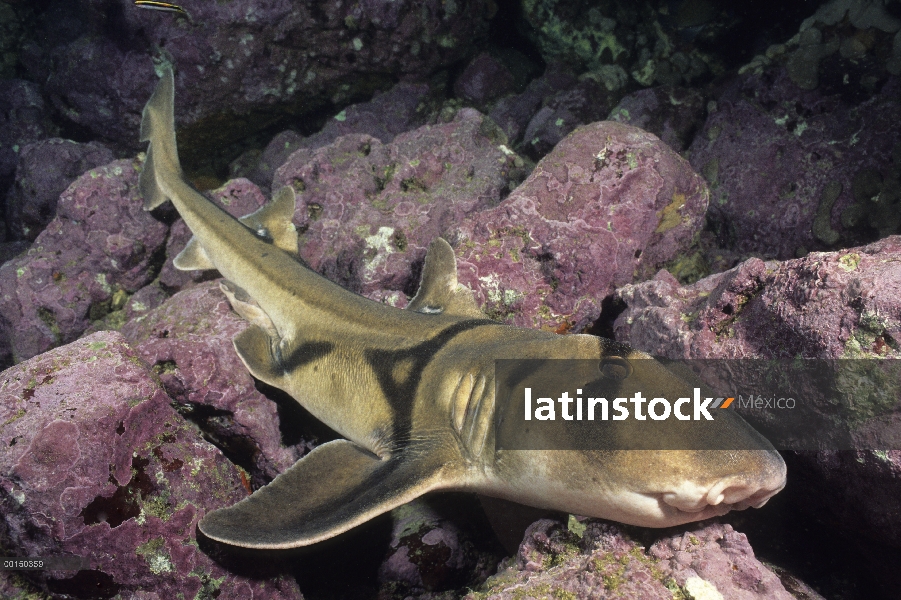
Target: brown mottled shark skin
point(412, 391)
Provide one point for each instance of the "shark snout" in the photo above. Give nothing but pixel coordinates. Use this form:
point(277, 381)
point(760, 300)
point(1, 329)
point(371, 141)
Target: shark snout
point(734, 492)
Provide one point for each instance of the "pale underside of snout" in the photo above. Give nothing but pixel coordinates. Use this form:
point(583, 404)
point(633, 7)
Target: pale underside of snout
point(652, 498)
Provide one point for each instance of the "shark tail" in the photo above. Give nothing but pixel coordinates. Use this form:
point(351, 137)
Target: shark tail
point(158, 128)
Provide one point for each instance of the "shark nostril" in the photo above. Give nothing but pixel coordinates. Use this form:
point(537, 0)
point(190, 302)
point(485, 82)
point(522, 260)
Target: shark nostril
point(685, 503)
point(716, 494)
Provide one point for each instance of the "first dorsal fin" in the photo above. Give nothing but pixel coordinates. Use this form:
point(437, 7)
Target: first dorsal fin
point(439, 292)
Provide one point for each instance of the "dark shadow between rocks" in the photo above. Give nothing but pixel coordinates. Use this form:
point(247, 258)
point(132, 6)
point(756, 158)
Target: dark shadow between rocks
point(808, 545)
point(295, 422)
point(344, 567)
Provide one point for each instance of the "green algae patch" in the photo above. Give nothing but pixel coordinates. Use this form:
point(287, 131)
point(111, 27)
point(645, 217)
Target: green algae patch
point(209, 585)
point(689, 269)
point(18, 415)
point(849, 262)
point(671, 216)
point(822, 222)
point(575, 526)
point(867, 388)
point(158, 559)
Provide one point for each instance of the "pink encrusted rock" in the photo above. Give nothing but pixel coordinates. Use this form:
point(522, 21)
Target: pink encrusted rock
point(434, 547)
point(792, 171)
point(384, 117)
point(601, 562)
point(484, 79)
point(562, 112)
point(674, 114)
point(44, 171)
point(98, 248)
point(610, 204)
point(23, 119)
point(844, 304)
point(239, 197)
point(369, 210)
point(188, 341)
point(720, 557)
point(247, 58)
point(513, 113)
point(97, 464)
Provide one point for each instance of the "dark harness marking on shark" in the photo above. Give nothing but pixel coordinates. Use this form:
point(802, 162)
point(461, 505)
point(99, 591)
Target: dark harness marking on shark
point(402, 393)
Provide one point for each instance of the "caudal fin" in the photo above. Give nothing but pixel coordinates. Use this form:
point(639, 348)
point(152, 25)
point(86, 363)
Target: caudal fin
point(158, 128)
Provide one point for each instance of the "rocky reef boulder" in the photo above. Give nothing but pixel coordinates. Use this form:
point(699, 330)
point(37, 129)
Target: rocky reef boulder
point(369, 210)
point(841, 304)
point(833, 167)
point(610, 204)
point(599, 561)
point(96, 251)
point(44, 171)
point(187, 341)
point(250, 59)
point(97, 464)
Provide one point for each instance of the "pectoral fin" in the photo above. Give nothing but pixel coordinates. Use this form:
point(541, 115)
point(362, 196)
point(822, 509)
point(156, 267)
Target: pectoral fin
point(439, 291)
point(334, 488)
point(248, 308)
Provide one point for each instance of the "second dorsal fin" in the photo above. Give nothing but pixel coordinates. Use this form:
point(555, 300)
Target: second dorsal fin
point(439, 291)
point(271, 222)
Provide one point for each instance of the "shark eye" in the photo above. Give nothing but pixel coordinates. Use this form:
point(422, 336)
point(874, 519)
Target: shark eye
point(615, 367)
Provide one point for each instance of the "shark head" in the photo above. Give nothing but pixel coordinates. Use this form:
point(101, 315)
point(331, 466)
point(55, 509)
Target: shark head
point(646, 472)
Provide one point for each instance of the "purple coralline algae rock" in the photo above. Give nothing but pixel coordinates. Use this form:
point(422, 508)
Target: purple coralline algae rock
point(673, 114)
point(188, 342)
point(609, 204)
point(259, 166)
point(484, 79)
point(585, 102)
point(844, 304)
point(23, 119)
point(45, 170)
point(240, 57)
point(429, 551)
point(598, 561)
point(369, 210)
point(384, 117)
point(97, 464)
point(239, 197)
point(96, 251)
point(792, 171)
point(513, 113)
